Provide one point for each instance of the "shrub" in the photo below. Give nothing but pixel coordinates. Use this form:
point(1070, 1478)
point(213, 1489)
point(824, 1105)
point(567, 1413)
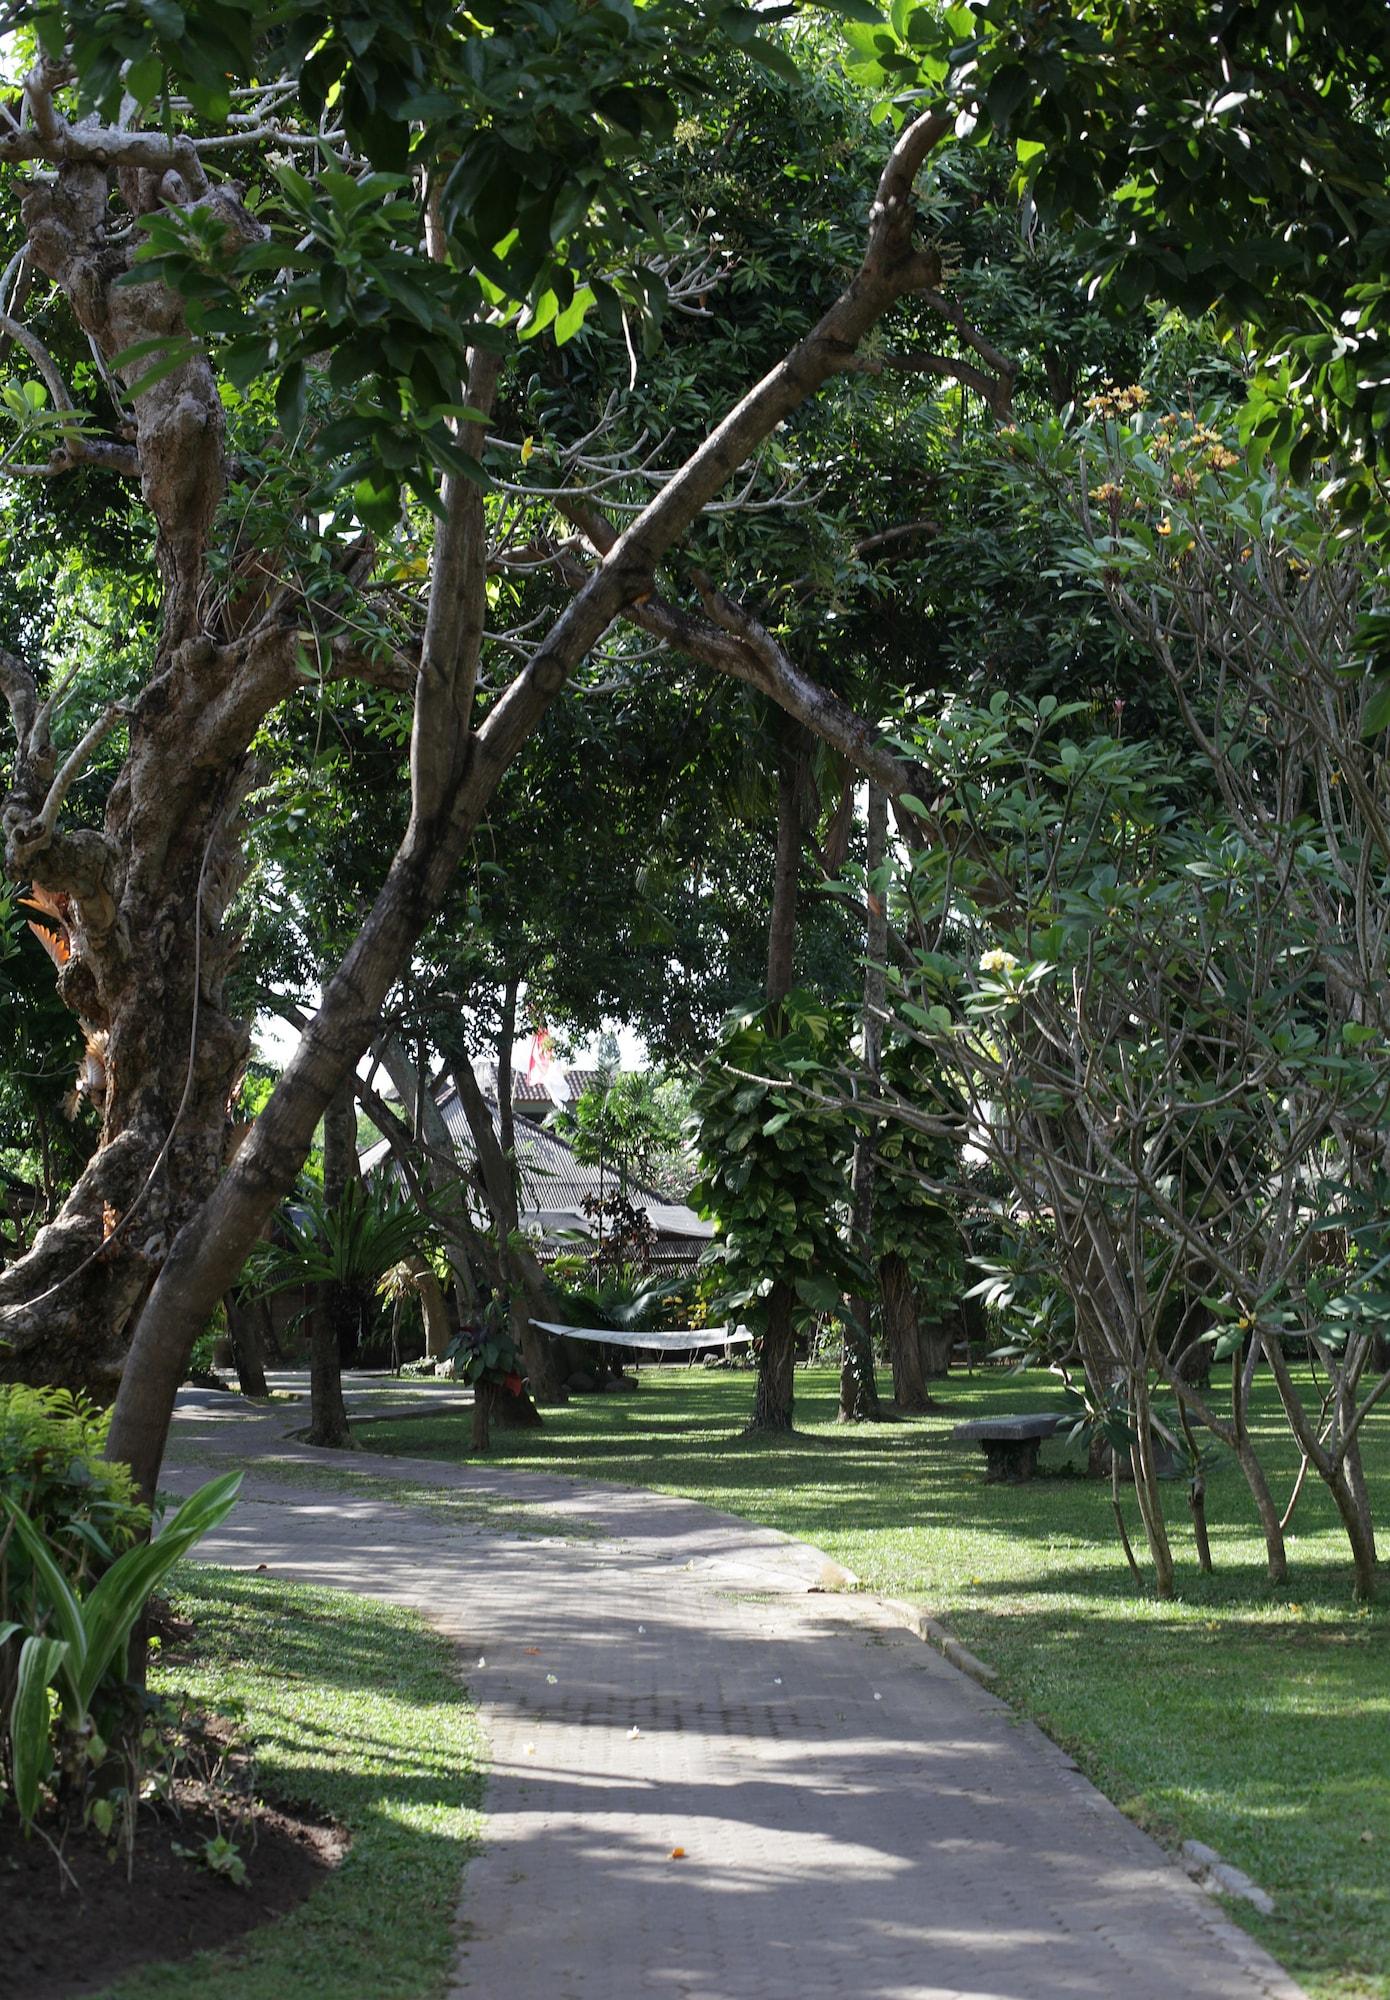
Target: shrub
point(76, 1567)
point(51, 1466)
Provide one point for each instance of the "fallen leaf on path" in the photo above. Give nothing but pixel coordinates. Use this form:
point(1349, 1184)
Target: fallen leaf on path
point(677, 1854)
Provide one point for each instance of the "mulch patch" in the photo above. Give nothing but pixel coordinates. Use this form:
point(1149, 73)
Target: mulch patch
point(59, 1939)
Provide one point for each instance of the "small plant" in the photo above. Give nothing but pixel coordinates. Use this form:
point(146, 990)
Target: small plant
point(76, 1643)
point(487, 1354)
point(487, 1357)
point(220, 1856)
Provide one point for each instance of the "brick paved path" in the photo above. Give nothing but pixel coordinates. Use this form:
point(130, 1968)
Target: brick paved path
point(858, 1819)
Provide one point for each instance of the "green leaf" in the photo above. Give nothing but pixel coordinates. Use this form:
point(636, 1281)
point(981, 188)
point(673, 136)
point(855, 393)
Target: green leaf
point(117, 1600)
point(55, 1591)
point(772, 57)
point(818, 1291)
point(40, 1660)
point(568, 323)
point(1377, 712)
point(145, 78)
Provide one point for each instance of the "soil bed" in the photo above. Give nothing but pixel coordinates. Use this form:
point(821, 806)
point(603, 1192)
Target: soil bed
point(62, 1940)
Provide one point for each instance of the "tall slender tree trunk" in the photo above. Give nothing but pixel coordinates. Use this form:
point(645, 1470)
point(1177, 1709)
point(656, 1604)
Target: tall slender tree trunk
point(433, 1310)
point(484, 1409)
point(1146, 1487)
point(248, 1349)
point(781, 929)
point(331, 1311)
point(858, 1382)
point(903, 1334)
point(1353, 1506)
point(774, 1396)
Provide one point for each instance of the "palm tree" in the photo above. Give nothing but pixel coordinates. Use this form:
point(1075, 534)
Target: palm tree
point(342, 1248)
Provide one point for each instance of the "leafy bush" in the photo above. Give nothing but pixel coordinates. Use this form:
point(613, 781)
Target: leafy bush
point(76, 1569)
point(774, 1159)
point(488, 1353)
point(51, 1467)
point(77, 1644)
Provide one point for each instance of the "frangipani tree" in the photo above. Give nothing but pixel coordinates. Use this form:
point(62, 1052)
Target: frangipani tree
point(1172, 1036)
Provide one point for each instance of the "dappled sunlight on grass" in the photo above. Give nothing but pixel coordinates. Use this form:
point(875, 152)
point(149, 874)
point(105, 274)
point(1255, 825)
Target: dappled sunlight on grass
point(1251, 1718)
point(356, 1709)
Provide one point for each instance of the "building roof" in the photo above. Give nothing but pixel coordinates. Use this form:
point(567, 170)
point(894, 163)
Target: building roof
point(577, 1081)
point(552, 1183)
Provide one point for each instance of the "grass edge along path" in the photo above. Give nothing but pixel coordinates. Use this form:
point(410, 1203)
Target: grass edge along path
point(357, 1710)
point(1257, 1721)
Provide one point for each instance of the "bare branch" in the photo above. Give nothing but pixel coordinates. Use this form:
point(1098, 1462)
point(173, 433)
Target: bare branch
point(26, 841)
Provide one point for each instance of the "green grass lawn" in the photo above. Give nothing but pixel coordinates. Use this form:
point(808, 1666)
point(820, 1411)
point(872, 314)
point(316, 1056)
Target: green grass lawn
point(357, 1709)
point(1255, 1720)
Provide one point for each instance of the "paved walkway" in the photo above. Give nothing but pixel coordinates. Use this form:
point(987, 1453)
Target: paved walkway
point(856, 1817)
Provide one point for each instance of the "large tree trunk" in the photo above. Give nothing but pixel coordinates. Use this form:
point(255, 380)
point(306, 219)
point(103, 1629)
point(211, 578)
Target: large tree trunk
point(903, 1334)
point(136, 907)
point(938, 1342)
point(773, 1399)
point(160, 1066)
point(331, 1315)
point(858, 1382)
point(433, 1310)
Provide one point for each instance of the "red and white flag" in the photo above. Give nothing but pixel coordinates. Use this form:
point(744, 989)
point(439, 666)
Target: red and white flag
point(542, 1054)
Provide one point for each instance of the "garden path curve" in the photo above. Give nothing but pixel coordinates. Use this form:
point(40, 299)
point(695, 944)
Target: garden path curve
point(858, 1820)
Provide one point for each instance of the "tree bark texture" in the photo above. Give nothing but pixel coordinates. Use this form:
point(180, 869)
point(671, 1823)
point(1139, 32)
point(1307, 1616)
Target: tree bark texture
point(938, 1342)
point(433, 1310)
point(903, 1335)
point(773, 1398)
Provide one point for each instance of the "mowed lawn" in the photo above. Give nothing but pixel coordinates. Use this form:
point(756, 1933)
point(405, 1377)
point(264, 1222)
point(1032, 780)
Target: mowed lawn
point(1253, 1719)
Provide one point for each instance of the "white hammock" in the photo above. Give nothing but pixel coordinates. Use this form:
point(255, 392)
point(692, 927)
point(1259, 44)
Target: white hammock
point(660, 1343)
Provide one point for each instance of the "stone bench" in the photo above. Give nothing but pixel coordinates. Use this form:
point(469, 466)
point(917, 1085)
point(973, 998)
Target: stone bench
point(1010, 1444)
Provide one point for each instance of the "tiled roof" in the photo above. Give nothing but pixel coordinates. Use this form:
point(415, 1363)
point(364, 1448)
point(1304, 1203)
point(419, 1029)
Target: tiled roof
point(524, 1091)
point(553, 1184)
point(577, 1081)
